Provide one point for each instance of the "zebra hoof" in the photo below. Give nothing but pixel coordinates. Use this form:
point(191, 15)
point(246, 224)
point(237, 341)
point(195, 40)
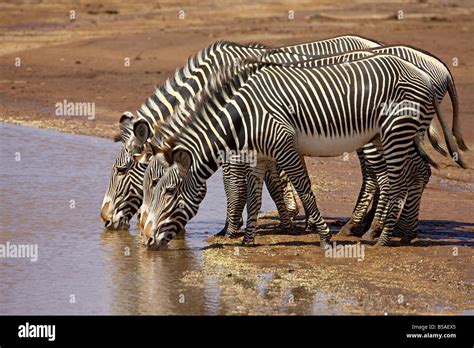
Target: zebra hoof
point(311, 228)
point(346, 230)
point(248, 242)
point(380, 243)
point(324, 244)
point(224, 230)
point(370, 235)
point(285, 227)
point(231, 235)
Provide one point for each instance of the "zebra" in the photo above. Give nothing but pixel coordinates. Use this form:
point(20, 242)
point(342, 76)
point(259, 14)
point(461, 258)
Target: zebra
point(320, 122)
point(189, 80)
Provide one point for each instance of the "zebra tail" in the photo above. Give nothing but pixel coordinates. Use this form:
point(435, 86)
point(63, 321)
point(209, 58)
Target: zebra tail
point(456, 124)
point(435, 140)
point(420, 147)
point(448, 137)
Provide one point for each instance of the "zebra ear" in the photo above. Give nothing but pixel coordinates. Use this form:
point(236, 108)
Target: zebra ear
point(183, 160)
point(127, 116)
point(141, 130)
point(124, 121)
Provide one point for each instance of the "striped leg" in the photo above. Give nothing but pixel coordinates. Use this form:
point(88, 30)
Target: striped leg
point(236, 190)
point(379, 209)
point(396, 146)
point(378, 167)
point(407, 225)
point(255, 176)
point(374, 189)
point(275, 188)
point(291, 162)
point(289, 195)
point(368, 188)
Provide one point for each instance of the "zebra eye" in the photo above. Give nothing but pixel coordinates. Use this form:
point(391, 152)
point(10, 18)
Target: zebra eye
point(154, 181)
point(121, 170)
point(170, 189)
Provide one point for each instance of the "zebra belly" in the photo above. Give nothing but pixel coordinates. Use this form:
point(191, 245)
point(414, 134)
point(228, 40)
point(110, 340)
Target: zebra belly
point(326, 146)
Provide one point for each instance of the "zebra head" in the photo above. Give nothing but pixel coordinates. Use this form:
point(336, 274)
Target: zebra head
point(176, 199)
point(157, 167)
point(124, 194)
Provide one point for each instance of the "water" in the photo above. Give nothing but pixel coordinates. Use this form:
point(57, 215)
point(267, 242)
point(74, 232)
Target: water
point(52, 185)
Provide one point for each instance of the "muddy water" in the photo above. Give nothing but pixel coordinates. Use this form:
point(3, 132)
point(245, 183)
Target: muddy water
point(52, 185)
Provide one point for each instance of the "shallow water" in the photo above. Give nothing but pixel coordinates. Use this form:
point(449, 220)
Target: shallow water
point(52, 185)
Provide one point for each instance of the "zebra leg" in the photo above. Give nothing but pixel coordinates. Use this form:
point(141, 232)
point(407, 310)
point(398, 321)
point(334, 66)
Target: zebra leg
point(289, 195)
point(275, 188)
point(236, 192)
point(379, 169)
point(396, 147)
point(291, 162)
point(255, 176)
point(366, 193)
point(225, 178)
point(407, 225)
point(378, 212)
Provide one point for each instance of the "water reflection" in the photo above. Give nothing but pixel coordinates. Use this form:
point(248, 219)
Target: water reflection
point(51, 198)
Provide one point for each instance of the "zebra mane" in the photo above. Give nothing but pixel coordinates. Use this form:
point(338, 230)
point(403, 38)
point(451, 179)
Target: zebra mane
point(255, 44)
point(170, 83)
point(180, 72)
point(191, 114)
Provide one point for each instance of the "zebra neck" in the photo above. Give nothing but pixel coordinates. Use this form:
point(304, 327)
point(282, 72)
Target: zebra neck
point(214, 143)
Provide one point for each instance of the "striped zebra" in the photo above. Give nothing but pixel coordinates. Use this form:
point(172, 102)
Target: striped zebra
point(186, 82)
point(283, 112)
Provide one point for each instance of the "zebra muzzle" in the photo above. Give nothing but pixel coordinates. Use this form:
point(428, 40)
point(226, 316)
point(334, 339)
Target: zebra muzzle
point(156, 244)
point(150, 242)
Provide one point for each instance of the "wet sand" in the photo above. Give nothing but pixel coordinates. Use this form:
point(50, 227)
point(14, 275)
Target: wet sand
point(83, 61)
